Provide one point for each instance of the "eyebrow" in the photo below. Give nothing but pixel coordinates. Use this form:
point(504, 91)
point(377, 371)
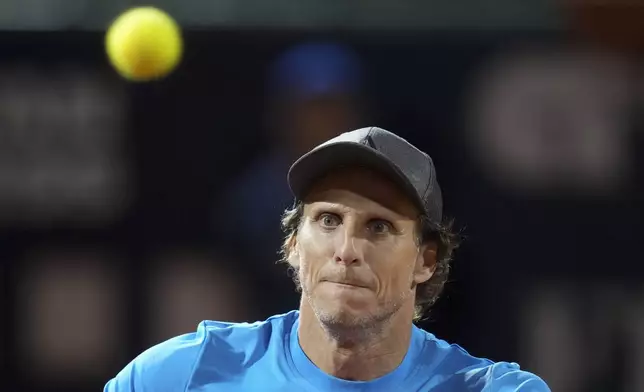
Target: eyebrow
point(324, 205)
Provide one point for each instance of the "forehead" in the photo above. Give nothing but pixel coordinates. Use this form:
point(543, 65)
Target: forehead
point(350, 185)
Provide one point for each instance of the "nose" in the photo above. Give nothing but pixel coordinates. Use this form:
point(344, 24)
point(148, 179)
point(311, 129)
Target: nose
point(348, 249)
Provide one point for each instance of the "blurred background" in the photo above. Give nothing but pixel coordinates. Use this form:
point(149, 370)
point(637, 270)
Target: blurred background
point(130, 212)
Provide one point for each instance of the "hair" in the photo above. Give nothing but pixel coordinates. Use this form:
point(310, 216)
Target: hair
point(427, 293)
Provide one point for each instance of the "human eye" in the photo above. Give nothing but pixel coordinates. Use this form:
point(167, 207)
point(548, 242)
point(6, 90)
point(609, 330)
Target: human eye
point(380, 226)
point(328, 220)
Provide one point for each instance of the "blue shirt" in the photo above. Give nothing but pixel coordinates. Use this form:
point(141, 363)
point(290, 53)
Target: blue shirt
point(266, 357)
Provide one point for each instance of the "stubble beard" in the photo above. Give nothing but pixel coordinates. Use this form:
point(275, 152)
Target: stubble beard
point(342, 325)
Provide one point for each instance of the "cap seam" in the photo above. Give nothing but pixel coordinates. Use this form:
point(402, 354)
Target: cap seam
point(429, 183)
point(369, 134)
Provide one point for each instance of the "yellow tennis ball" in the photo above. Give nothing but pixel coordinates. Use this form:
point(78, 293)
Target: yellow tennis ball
point(144, 43)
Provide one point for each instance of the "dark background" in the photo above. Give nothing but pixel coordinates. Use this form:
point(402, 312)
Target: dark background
point(550, 274)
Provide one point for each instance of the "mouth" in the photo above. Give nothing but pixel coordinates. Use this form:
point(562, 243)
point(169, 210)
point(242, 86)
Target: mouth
point(348, 285)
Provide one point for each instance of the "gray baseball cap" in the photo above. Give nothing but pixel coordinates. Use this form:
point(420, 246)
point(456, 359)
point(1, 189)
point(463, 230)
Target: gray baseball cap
point(379, 150)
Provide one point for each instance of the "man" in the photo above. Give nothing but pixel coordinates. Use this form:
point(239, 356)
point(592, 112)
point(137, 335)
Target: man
point(370, 252)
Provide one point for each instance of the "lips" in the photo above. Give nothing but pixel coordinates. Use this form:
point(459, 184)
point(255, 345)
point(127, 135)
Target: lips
point(346, 283)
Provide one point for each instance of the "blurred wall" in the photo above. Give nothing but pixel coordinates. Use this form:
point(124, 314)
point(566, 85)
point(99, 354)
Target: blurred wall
point(402, 14)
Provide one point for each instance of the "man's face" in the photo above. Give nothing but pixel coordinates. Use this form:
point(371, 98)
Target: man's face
point(359, 261)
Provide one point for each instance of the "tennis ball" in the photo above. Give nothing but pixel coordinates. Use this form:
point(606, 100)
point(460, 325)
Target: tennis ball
point(143, 44)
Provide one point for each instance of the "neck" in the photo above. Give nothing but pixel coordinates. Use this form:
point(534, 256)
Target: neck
point(357, 354)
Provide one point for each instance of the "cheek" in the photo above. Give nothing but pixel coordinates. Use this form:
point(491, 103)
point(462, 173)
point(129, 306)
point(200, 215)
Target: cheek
point(314, 252)
point(394, 269)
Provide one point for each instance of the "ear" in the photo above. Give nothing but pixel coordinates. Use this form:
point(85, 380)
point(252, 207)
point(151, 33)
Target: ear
point(292, 253)
point(425, 263)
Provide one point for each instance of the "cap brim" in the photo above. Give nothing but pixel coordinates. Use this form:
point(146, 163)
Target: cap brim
point(321, 161)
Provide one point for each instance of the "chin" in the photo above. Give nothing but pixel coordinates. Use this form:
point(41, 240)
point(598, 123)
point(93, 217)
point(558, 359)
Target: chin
point(345, 309)
point(343, 314)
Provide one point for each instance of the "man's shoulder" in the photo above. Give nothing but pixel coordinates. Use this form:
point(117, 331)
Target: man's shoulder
point(165, 366)
point(240, 334)
point(460, 367)
point(169, 365)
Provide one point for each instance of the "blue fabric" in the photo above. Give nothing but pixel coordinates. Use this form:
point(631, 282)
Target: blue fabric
point(266, 357)
point(316, 68)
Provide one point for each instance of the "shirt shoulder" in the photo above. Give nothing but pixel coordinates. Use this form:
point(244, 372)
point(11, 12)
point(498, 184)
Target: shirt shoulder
point(164, 367)
point(218, 346)
point(457, 369)
point(504, 377)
